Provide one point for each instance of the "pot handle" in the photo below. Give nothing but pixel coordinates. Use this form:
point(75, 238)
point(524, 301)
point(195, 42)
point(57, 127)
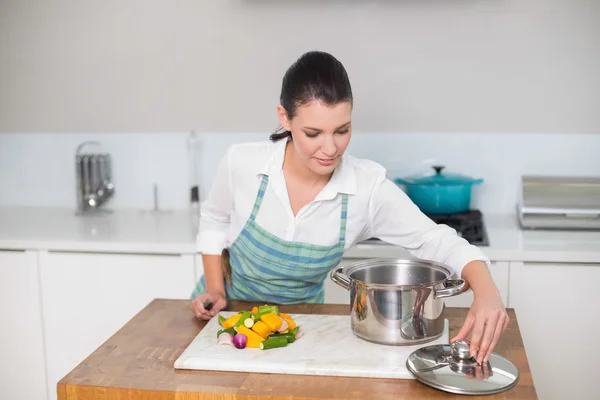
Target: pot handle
point(340, 278)
point(452, 287)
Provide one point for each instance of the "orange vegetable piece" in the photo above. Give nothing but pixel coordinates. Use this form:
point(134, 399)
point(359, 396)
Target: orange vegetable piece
point(254, 310)
point(262, 329)
point(272, 321)
point(231, 321)
point(289, 320)
point(254, 338)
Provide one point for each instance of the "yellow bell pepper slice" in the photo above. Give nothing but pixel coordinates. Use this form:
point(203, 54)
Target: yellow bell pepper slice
point(231, 321)
point(254, 338)
point(262, 329)
point(272, 320)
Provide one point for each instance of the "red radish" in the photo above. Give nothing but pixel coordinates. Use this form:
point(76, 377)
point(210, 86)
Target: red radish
point(240, 341)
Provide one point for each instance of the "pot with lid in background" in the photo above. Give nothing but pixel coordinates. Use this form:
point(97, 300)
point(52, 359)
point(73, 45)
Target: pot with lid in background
point(438, 192)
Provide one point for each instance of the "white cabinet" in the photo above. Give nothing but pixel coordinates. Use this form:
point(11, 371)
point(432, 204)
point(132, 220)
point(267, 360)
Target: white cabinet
point(500, 273)
point(22, 370)
point(557, 311)
point(88, 297)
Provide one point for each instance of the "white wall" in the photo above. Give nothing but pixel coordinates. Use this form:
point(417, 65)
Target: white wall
point(216, 65)
point(490, 88)
point(38, 169)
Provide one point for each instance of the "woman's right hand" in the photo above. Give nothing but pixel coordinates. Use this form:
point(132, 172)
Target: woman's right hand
point(201, 303)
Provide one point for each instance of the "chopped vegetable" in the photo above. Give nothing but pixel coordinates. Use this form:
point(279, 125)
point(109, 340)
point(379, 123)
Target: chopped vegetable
point(240, 341)
point(262, 329)
point(299, 334)
point(289, 320)
point(231, 331)
point(254, 338)
point(284, 326)
point(273, 342)
point(225, 338)
point(272, 320)
point(290, 337)
point(231, 321)
point(245, 315)
point(262, 310)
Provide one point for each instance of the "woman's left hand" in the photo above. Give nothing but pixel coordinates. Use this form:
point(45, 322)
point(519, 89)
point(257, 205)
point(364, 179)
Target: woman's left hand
point(487, 319)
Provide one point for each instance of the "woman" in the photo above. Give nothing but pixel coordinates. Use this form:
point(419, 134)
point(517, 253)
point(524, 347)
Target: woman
point(285, 211)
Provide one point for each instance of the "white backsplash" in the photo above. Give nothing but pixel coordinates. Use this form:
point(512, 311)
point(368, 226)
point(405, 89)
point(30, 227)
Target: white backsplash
point(38, 169)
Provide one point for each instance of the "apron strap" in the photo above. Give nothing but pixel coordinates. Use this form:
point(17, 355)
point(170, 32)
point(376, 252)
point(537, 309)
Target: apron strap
point(343, 217)
point(343, 213)
point(259, 197)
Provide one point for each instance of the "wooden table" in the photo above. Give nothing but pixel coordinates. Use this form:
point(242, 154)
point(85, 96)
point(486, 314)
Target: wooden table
point(137, 363)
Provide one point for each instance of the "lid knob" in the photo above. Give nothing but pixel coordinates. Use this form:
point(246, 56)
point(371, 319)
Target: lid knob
point(460, 350)
point(438, 169)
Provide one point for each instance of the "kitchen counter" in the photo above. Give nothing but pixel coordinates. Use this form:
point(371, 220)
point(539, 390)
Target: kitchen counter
point(127, 231)
point(508, 242)
point(137, 362)
point(174, 232)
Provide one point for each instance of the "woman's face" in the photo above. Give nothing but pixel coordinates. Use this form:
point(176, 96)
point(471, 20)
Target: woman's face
point(320, 134)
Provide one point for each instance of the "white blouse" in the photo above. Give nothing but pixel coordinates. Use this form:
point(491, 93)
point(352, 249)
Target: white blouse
point(377, 208)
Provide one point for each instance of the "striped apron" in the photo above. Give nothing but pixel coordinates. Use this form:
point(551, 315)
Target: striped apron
point(267, 269)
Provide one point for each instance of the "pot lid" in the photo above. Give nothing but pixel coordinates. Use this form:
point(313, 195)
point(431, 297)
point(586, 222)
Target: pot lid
point(438, 178)
point(450, 368)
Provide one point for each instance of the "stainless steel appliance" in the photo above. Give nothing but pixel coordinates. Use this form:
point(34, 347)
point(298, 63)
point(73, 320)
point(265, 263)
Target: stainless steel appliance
point(559, 202)
point(94, 178)
point(397, 301)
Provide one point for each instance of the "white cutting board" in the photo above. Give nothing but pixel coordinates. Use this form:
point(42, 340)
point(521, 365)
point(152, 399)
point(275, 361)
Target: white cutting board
point(328, 347)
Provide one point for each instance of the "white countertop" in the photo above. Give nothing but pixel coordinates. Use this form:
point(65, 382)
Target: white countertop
point(127, 231)
point(164, 232)
point(508, 242)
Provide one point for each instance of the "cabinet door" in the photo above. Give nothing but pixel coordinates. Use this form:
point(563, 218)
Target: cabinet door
point(22, 365)
point(557, 312)
point(500, 272)
point(88, 297)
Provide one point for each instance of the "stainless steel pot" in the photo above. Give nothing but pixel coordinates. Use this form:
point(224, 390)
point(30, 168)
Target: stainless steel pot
point(397, 301)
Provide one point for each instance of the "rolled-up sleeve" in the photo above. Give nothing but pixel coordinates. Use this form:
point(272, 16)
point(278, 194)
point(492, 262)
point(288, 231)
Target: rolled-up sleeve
point(397, 220)
point(215, 211)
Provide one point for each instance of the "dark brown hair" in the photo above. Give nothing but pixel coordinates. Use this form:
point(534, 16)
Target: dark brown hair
point(316, 75)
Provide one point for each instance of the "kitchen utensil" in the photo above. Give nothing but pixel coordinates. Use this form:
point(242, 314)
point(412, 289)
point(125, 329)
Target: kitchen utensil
point(559, 202)
point(327, 347)
point(439, 193)
point(93, 173)
point(451, 368)
point(397, 301)
point(195, 157)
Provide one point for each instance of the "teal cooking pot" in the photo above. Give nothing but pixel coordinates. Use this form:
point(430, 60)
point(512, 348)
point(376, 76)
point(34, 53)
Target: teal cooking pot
point(440, 193)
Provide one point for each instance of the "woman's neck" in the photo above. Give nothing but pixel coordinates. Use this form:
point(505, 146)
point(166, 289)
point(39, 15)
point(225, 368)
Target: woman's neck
point(292, 165)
